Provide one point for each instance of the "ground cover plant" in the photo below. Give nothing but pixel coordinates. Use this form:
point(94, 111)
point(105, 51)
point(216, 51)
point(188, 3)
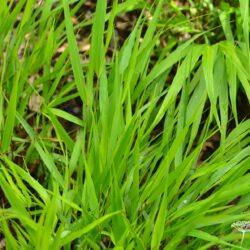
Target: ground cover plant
point(105, 142)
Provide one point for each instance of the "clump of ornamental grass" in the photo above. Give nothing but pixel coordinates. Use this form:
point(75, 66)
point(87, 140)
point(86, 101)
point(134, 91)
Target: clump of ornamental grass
point(135, 172)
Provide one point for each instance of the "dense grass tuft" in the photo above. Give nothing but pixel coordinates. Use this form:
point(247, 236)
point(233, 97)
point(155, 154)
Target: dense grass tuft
point(105, 141)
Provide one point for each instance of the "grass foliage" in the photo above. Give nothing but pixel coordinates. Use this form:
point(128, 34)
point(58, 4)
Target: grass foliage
point(131, 177)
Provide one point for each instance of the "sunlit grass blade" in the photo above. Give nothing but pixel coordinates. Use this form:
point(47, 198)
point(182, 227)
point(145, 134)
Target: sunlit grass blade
point(97, 40)
point(11, 112)
point(74, 55)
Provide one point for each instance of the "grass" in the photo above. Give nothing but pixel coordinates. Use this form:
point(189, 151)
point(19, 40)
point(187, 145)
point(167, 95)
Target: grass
point(129, 172)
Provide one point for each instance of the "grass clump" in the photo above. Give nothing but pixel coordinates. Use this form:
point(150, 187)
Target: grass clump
point(106, 147)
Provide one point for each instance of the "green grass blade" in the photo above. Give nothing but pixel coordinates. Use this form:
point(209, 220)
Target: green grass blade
point(74, 235)
point(74, 55)
point(97, 41)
